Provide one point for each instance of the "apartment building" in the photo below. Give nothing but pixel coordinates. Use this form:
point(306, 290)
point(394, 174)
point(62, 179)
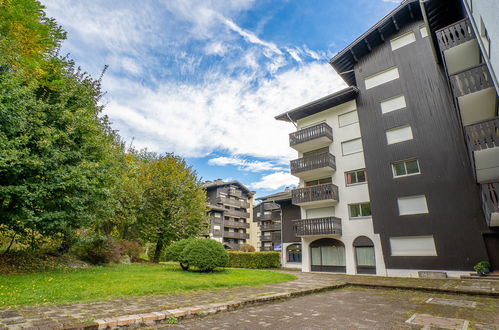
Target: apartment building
point(399, 172)
point(229, 215)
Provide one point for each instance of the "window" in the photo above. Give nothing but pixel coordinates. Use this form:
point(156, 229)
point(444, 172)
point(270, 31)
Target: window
point(399, 134)
point(294, 253)
point(348, 118)
point(403, 40)
point(217, 215)
point(424, 31)
point(405, 168)
point(413, 246)
point(382, 77)
point(393, 103)
point(360, 210)
point(354, 177)
point(351, 147)
point(319, 181)
point(216, 227)
point(412, 205)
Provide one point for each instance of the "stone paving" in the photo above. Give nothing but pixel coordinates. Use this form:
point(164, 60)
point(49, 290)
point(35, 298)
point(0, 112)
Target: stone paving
point(357, 308)
point(137, 309)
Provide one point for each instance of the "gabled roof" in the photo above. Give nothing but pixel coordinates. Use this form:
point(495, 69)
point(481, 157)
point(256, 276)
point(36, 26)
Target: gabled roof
point(319, 105)
point(280, 196)
point(219, 183)
point(343, 62)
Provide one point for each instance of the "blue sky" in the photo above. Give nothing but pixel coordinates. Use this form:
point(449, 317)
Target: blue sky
point(204, 79)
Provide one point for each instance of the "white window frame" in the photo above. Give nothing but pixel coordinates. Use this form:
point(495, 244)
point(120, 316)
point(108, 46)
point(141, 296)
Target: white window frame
point(359, 205)
point(355, 171)
point(405, 166)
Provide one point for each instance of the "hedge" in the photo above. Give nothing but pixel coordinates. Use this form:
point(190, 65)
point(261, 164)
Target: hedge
point(254, 259)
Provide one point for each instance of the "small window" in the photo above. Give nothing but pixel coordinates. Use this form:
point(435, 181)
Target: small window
point(355, 177)
point(412, 205)
point(403, 40)
point(399, 134)
point(218, 215)
point(405, 168)
point(348, 118)
point(382, 77)
point(216, 227)
point(393, 103)
point(351, 147)
point(360, 210)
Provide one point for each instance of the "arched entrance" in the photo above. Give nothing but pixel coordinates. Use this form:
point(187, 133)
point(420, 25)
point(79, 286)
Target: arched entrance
point(293, 253)
point(327, 255)
point(364, 255)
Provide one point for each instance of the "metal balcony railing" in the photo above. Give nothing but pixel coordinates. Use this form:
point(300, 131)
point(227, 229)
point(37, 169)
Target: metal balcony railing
point(311, 133)
point(318, 226)
point(237, 214)
point(233, 202)
point(236, 224)
point(313, 162)
point(320, 192)
point(270, 227)
point(229, 234)
point(455, 34)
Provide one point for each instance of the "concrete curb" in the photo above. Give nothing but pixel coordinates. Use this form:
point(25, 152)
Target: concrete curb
point(177, 314)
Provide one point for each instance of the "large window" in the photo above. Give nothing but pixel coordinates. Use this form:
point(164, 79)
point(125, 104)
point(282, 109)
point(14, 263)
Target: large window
point(348, 118)
point(399, 134)
point(351, 147)
point(360, 210)
point(293, 253)
point(412, 205)
point(405, 168)
point(354, 177)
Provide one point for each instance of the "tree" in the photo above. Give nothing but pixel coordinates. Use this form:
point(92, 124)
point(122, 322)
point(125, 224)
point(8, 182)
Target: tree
point(174, 202)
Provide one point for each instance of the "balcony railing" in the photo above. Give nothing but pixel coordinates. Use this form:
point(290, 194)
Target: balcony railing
point(313, 162)
point(236, 224)
point(237, 214)
point(483, 135)
point(270, 227)
point(233, 202)
point(471, 80)
point(235, 192)
point(274, 237)
point(317, 193)
point(266, 248)
point(270, 206)
point(455, 34)
point(490, 197)
point(311, 133)
point(318, 226)
point(229, 234)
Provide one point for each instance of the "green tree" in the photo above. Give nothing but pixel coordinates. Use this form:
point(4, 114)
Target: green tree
point(174, 202)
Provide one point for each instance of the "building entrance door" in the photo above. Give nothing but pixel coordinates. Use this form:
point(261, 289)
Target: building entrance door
point(492, 245)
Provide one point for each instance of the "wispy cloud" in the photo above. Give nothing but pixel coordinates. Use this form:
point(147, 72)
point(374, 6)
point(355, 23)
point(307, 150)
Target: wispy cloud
point(275, 181)
point(246, 165)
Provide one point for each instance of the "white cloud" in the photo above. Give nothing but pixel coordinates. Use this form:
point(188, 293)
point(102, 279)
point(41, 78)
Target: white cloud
point(245, 165)
point(274, 181)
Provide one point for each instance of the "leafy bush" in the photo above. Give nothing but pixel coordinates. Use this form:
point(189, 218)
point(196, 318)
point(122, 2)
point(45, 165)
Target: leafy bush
point(97, 249)
point(174, 252)
point(483, 267)
point(246, 248)
point(256, 260)
point(205, 254)
point(131, 249)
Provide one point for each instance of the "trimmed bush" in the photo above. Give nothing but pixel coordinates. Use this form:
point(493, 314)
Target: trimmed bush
point(205, 254)
point(174, 251)
point(256, 260)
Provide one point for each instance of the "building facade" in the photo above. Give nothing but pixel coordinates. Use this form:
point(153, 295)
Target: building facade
point(229, 215)
point(399, 172)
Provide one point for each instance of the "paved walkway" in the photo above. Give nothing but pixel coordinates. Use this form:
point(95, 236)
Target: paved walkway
point(140, 309)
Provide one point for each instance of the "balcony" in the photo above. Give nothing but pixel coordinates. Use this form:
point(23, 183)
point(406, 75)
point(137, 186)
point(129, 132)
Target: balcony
point(490, 197)
point(475, 93)
point(236, 224)
point(483, 146)
point(318, 226)
point(459, 47)
point(314, 137)
point(323, 194)
point(237, 214)
point(233, 202)
point(274, 237)
point(235, 192)
point(266, 248)
point(315, 166)
point(271, 227)
point(270, 206)
point(228, 234)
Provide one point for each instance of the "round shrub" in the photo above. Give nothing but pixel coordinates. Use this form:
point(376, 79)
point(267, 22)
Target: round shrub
point(174, 251)
point(205, 254)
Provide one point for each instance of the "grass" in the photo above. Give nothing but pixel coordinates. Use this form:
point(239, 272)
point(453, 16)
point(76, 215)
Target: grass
point(103, 283)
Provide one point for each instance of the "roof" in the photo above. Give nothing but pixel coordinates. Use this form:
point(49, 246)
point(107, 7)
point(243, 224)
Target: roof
point(220, 183)
point(280, 196)
point(343, 62)
point(321, 104)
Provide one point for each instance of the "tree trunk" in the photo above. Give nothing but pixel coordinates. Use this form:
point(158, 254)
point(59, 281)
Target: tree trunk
point(10, 245)
point(159, 248)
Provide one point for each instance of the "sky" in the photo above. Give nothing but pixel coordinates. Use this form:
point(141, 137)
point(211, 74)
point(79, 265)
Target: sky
point(205, 79)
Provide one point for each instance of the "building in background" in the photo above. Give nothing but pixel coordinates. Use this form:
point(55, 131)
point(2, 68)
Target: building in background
point(399, 173)
point(229, 212)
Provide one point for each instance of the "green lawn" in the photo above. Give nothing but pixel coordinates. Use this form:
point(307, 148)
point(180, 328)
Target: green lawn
point(101, 283)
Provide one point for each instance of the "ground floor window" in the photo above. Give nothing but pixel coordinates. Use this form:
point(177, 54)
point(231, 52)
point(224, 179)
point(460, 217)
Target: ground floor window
point(364, 255)
point(293, 253)
point(328, 254)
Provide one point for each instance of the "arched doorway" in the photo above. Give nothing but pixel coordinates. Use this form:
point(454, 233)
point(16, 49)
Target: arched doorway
point(364, 255)
point(293, 253)
point(327, 255)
